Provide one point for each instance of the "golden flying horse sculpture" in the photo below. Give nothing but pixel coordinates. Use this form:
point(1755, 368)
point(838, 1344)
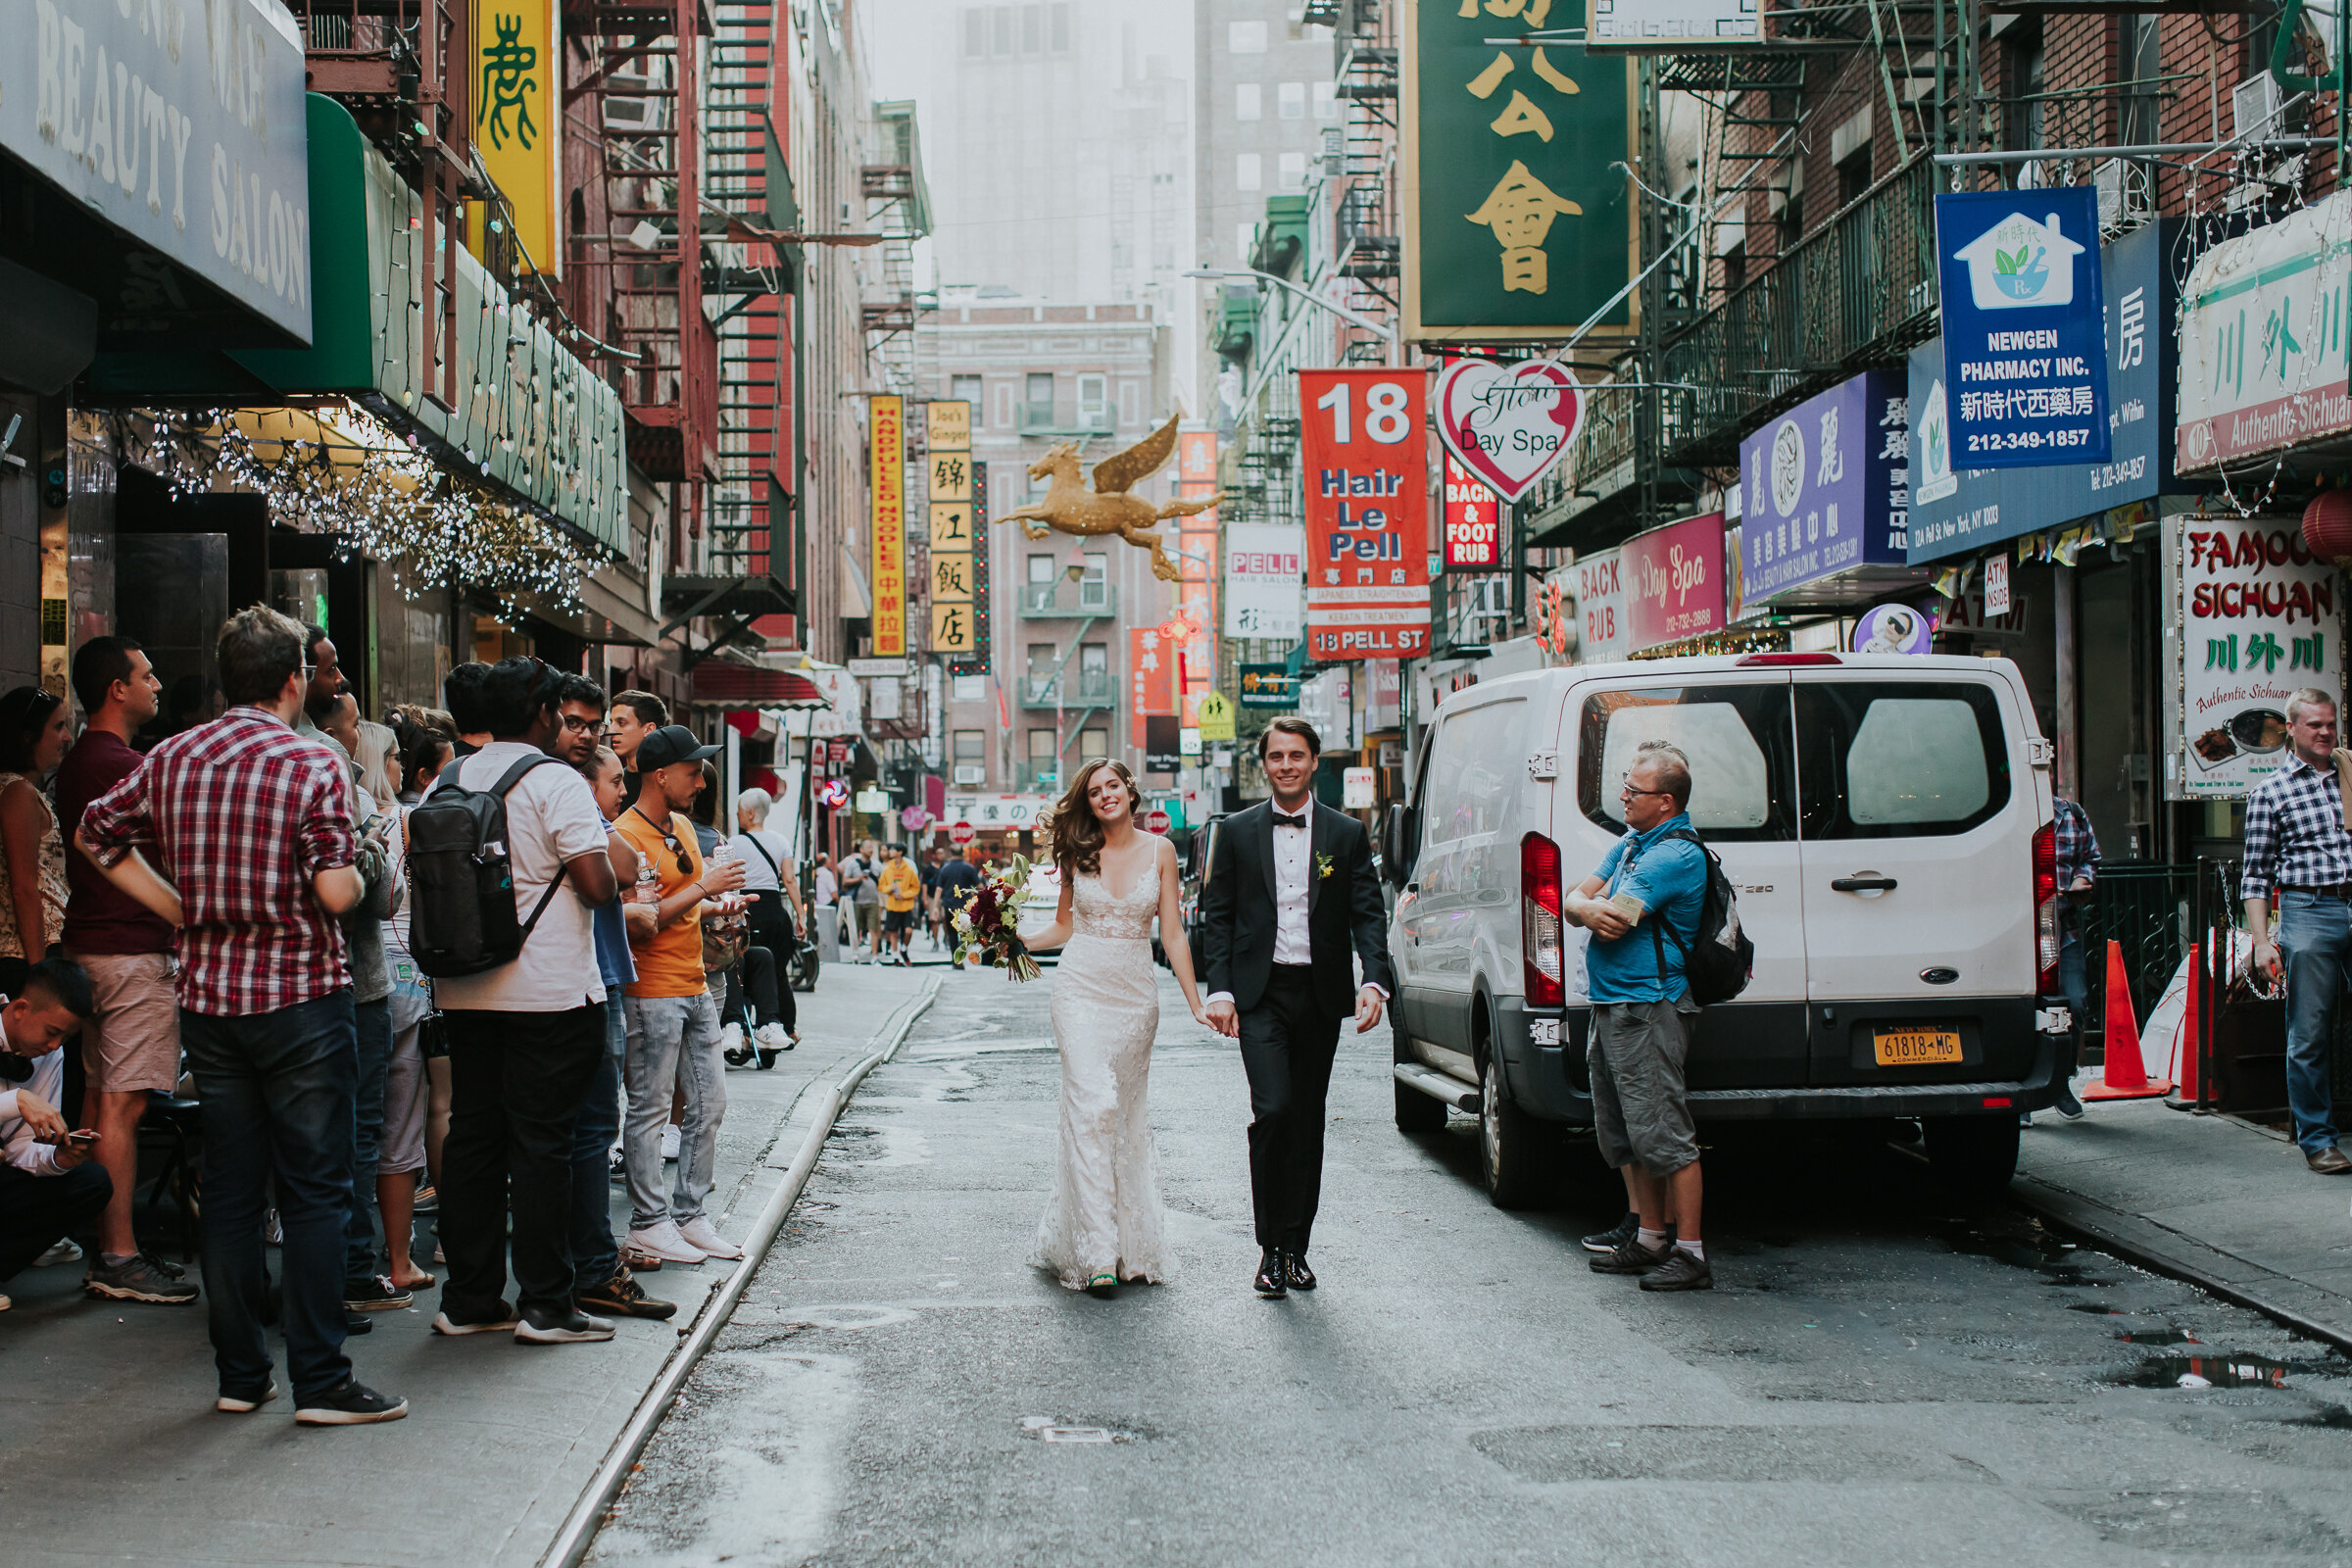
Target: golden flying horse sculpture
point(1069, 506)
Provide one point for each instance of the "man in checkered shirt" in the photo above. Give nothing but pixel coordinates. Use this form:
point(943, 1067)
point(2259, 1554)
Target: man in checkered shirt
point(250, 822)
point(2297, 849)
point(2077, 854)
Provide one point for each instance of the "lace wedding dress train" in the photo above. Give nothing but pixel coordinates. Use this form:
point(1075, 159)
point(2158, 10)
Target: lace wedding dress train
point(1105, 1217)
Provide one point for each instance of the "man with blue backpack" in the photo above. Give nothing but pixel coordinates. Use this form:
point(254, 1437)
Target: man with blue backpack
point(1644, 908)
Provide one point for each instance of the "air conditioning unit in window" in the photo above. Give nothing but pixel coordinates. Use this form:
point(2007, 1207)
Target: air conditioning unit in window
point(2127, 194)
point(2255, 116)
point(2254, 108)
point(971, 773)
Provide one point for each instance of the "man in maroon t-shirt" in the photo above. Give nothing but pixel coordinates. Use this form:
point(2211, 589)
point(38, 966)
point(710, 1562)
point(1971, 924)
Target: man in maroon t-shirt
point(131, 1043)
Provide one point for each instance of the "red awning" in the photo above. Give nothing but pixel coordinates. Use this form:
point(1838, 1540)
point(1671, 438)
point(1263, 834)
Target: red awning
point(726, 685)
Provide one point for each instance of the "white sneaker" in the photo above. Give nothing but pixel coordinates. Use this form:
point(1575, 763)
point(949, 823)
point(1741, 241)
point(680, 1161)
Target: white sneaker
point(730, 1039)
point(670, 1135)
point(67, 1250)
point(665, 1242)
point(771, 1037)
point(697, 1231)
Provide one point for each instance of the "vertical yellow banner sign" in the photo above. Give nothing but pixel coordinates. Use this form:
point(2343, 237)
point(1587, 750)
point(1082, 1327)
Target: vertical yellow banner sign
point(955, 578)
point(517, 117)
point(886, 428)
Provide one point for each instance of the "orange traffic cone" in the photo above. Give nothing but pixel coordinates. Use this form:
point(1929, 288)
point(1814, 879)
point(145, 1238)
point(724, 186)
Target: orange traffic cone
point(2192, 1019)
point(2124, 1078)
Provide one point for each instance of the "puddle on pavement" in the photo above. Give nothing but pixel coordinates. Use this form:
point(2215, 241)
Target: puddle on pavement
point(2021, 1244)
point(2094, 1309)
point(2234, 1369)
point(2158, 1337)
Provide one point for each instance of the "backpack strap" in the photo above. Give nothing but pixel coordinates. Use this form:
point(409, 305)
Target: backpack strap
point(506, 783)
point(1680, 946)
point(764, 855)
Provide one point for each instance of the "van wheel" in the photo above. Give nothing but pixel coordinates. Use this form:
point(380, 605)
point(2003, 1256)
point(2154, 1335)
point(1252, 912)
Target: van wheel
point(1974, 1155)
point(1510, 1148)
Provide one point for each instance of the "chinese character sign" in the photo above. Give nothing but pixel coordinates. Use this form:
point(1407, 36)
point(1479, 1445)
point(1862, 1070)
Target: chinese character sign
point(1473, 529)
point(2260, 616)
point(1826, 488)
point(1516, 220)
point(2024, 332)
point(2262, 338)
point(516, 114)
point(886, 430)
point(1150, 677)
point(1365, 461)
point(954, 581)
point(1264, 563)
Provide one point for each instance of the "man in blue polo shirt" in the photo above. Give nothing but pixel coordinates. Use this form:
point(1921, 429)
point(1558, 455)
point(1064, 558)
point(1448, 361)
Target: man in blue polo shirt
point(1642, 909)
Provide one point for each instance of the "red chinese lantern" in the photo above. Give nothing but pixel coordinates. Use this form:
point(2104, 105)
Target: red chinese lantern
point(2327, 526)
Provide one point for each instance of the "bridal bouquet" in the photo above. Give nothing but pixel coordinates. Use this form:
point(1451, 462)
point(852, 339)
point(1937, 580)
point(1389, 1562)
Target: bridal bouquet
point(988, 928)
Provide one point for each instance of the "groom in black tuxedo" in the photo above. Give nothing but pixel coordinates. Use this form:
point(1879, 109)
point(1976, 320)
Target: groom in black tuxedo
point(1291, 890)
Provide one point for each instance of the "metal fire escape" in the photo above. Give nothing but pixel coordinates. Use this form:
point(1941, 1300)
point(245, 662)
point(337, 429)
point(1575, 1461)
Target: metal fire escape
point(1369, 250)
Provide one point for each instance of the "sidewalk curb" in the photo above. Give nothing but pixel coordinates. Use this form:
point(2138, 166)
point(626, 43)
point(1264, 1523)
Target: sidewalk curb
point(578, 1532)
point(2166, 1252)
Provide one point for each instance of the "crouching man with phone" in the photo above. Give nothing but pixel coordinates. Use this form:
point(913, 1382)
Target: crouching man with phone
point(50, 1183)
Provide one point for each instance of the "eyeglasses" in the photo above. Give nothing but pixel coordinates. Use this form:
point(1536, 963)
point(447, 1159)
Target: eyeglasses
point(1626, 790)
point(685, 867)
point(573, 724)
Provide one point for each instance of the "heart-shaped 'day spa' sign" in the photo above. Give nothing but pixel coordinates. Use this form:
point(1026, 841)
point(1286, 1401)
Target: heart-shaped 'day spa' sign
point(1508, 424)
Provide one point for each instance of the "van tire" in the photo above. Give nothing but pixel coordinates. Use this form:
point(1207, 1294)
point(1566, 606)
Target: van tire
point(1974, 1157)
point(1513, 1154)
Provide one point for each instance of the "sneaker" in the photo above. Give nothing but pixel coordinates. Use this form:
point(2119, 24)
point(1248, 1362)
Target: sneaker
point(439, 1257)
point(1619, 1234)
point(1685, 1270)
point(427, 1200)
point(1631, 1258)
point(137, 1278)
point(375, 1295)
point(622, 1296)
point(698, 1232)
point(66, 1251)
point(561, 1328)
point(245, 1404)
point(663, 1242)
point(350, 1403)
point(772, 1039)
point(2066, 1104)
point(670, 1136)
point(497, 1323)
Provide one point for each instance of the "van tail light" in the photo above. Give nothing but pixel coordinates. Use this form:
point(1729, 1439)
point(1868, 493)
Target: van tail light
point(1787, 660)
point(1539, 933)
point(2046, 910)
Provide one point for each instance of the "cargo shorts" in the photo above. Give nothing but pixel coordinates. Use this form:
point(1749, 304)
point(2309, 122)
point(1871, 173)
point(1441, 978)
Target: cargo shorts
point(1640, 1110)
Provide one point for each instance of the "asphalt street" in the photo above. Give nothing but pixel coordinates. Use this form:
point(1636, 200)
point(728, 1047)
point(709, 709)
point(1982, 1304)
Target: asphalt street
point(1881, 1374)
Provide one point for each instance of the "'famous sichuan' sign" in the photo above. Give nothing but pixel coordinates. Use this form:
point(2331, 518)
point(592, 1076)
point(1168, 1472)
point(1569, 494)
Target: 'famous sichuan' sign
point(2260, 616)
point(1364, 462)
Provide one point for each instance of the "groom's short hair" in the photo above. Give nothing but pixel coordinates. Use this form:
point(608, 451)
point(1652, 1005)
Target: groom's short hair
point(1288, 725)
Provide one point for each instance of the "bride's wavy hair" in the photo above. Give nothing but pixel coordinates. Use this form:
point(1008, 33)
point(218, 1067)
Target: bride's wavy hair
point(1077, 833)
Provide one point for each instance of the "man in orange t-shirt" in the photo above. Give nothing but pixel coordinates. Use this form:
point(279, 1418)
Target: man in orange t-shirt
point(673, 1019)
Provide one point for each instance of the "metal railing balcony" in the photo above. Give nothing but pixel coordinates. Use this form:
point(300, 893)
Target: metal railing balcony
point(1089, 595)
point(1070, 689)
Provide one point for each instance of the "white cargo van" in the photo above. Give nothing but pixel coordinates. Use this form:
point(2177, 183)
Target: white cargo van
point(1886, 821)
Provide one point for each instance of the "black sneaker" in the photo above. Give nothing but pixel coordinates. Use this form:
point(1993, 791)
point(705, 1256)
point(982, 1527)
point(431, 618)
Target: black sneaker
point(1682, 1270)
point(357, 1322)
point(501, 1318)
point(540, 1327)
point(1631, 1258)
point(622, 1296)
point(350, 1403)
point(376, 1294)
point(2066, 1104)
point(1617, 1235)
point(141, 1277)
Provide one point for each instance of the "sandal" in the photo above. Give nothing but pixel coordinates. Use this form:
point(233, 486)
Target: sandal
point(1101, 1285)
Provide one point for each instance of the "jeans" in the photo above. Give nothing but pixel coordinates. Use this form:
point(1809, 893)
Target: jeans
point(516, 1084)
point(36, 1211)
point(372, 1022)
point(278, 1091)
point(672, 1041)
point(2074, 980)
point(595, 1257)
point(2314, 935)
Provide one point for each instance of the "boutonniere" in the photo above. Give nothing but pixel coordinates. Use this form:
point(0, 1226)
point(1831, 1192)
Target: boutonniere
point(1322, 868)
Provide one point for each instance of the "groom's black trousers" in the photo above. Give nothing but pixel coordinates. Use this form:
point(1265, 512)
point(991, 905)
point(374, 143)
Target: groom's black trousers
point(1287, 1044)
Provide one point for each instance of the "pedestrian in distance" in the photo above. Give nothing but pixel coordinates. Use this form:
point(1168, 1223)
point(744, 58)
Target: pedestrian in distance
point(901, 888)
point(2078, 857)
point(956, 879)
point(777, 919)
point(255, 823)
point(1642, 909)
point(2298, 854)
point(1278, 914)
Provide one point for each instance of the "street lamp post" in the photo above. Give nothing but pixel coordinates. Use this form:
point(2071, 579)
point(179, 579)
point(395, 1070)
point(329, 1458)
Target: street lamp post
point(1387, 334)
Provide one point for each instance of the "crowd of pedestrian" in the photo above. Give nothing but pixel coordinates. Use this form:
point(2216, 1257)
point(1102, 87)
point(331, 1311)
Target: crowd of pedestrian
point(260, 916)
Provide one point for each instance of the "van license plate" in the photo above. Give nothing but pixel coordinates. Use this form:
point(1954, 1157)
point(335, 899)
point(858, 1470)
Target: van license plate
point(1917, 1047)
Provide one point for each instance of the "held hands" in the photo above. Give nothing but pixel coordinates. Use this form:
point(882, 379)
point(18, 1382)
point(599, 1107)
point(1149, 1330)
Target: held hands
point(1367, 1010)
point(1221, 1017)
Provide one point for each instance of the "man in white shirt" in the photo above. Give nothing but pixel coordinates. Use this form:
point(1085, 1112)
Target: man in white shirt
point(526, 1037)
point(51, 1183)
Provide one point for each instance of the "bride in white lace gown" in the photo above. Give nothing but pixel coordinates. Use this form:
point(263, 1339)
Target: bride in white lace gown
point(1103, 1224)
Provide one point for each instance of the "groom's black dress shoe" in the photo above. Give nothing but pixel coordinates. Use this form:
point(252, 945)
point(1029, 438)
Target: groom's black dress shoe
point(1296, 1273)
point(1270, 1272)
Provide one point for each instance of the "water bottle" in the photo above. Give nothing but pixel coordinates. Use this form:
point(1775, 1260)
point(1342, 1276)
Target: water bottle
point(649, 881)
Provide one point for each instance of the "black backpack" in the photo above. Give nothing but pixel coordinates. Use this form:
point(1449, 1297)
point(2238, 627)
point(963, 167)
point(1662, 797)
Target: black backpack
point(461, 878)
point(1719, 963)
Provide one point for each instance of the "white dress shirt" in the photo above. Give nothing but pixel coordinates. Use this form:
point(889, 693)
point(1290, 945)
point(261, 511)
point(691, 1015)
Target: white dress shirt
point(16, 1145)
point(1293, 863)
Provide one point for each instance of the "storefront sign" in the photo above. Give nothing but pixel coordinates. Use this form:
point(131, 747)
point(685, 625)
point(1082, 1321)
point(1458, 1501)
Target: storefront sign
point(1825, 491)
point(847, 716)
point(886, 433)
point(2025, 365)
point(954, 565)
point(1356, 789)
point(1672, 580)
point(1269, 688)
point(1197, 457)
point(1893, 629)
point(1264, 565)
point(517, 123)
point(2259, 618)
point(1473, 522)
point(997, 812)
point(1996, 585)
point(180, 124)
point(1674, 24)
point(1516, 221)
point(1364, 465)
point(2263, 339)
point(1150, 678)
point(1956, 508)
point(1507, 424)
point(1602, 630)
point(1163, 746)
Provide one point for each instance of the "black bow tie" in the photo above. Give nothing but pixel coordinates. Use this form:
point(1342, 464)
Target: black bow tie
point(1283, 820)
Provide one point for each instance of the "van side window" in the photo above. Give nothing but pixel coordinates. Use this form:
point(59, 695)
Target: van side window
point(1899, 758)
point(1737, 741)
point(1478, 763)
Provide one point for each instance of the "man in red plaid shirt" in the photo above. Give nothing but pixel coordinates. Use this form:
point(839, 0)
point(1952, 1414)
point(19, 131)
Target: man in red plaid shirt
point(250, 824)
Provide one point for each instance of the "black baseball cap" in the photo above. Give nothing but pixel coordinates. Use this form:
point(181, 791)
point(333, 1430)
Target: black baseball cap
point(671, 743)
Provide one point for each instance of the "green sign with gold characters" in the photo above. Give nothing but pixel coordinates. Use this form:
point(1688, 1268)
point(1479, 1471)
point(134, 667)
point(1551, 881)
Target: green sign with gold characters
point(1519, 223)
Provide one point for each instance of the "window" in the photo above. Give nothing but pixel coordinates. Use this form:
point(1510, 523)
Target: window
point(1244, 238)
point(1479, 760)
point(1292, 97)
point(971, 746)
point(1737, 740)
point(1044, 772)
point(1094, 402)
point(1033, 29)
point(1094, 583)
point(1041, 569)
point(1038, 413)
point(1734, 266)
point(1042, 663)
point(1246, 38)
point(1853, 174)
point(1293, 171)
point(1248, 100)
point(1093, 743)
point(1247, 171)
point(975, 33)
point(1094, 673)
point(1057, 28)
point(2023, 125)
point(1327, 99)
point(966, 389)
point(1001, 31)
point(1899, 758)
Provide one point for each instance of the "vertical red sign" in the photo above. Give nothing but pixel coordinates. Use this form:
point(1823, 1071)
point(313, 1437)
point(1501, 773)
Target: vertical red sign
point(1473, 522)
point(1364, 462)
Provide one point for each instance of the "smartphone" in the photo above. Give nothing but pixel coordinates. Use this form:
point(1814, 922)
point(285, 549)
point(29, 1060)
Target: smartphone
point(83, 1139)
